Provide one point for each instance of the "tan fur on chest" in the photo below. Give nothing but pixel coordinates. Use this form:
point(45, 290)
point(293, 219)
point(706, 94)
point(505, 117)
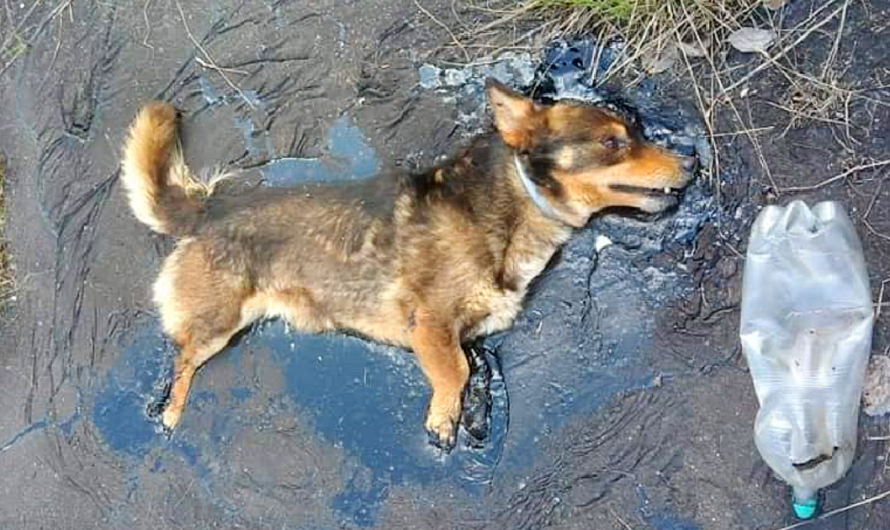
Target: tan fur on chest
point(527, 256)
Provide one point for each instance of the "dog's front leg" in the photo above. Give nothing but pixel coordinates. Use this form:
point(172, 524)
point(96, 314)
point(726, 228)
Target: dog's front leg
point(437, 347)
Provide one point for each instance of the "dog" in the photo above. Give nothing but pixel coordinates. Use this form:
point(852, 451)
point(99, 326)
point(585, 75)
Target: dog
point(424, 260)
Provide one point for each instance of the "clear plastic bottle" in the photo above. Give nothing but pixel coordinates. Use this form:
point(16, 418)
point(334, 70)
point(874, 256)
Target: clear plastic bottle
point(806, 329)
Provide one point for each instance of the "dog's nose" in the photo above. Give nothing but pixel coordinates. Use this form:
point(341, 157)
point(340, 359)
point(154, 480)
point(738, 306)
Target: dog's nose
point(689, 163)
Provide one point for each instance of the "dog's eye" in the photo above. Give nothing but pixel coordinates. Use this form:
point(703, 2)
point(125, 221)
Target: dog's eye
point(613, 142)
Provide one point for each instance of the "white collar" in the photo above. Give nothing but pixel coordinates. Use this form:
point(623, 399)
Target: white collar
point(532, 190)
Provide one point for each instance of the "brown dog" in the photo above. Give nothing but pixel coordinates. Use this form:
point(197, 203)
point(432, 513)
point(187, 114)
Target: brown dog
point(424, 261)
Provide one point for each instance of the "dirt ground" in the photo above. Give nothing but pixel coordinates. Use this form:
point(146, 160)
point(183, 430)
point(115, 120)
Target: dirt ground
point(620, 398)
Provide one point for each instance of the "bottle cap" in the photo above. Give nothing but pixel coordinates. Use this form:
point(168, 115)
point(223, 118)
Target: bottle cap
point(805, 508)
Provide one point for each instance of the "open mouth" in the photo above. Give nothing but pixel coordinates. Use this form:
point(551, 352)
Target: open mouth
point(654, 200)
point(655, 193)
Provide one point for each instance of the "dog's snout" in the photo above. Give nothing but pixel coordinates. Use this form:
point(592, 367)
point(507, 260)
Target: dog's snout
point(689, 163)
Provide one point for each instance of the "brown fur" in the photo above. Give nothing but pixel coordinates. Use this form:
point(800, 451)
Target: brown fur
point(424, 261)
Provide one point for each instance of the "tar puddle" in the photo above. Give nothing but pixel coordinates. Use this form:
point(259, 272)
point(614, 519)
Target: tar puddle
point(584, 338)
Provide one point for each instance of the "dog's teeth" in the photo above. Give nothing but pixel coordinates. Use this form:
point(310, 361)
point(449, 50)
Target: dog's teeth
point(667, 190)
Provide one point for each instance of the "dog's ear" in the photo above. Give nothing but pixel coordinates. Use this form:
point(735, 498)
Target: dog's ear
point(517, 118)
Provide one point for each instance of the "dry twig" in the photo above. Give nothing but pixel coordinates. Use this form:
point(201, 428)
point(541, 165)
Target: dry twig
point(881, 298)
point(620, 520)
point(840, 176)
point(147, 25)
point(445, 27)
point(205, 64)
point(210, 60)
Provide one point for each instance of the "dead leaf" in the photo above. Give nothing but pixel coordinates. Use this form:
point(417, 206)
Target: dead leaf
point(696, 49)
point(775, 4)
point(656, 61)
point(748, 40)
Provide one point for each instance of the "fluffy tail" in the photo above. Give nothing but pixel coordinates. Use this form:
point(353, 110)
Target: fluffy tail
point(161, 189)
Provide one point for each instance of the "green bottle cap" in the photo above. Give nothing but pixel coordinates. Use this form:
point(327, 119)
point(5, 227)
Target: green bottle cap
point(805, 508)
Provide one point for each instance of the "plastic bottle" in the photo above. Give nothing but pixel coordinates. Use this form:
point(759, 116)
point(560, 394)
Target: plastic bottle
point(806, 329)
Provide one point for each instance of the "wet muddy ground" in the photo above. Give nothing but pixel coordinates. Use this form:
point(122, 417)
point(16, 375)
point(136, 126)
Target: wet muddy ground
point(618, 400)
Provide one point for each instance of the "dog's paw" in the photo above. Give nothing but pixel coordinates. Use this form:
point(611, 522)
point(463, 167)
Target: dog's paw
point(441, 432)
point(170, 417)
point(441, 422)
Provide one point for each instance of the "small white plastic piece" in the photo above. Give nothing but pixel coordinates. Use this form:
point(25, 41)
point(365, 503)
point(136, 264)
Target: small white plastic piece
point(601, 242)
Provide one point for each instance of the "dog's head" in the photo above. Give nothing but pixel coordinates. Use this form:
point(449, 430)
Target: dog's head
point(584, 159)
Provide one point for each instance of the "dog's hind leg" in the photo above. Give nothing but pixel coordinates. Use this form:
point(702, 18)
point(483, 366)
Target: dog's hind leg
point(185, 365)
point(201, 308)
point(443, 361)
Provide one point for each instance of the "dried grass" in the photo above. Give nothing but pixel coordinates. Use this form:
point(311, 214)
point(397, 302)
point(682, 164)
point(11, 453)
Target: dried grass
point(646, 26)
point(5, 273)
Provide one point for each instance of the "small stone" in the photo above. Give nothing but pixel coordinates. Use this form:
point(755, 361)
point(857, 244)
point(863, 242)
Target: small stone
point(430, 76)
point(727, 267)
point(656, 61)
point(695, 49)
point(455, 78)
point(876, 389)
